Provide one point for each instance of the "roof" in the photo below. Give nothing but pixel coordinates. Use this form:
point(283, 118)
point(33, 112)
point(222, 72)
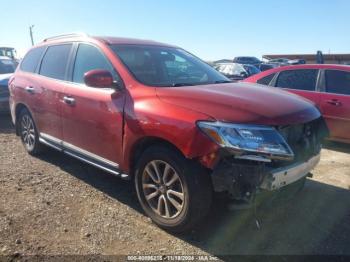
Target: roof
point(130, 41)
point(310, 56)
point(304, 66)
point(313, 66)
point(105, 39)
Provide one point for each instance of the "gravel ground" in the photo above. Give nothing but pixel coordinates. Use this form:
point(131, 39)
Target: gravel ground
point(56, 205)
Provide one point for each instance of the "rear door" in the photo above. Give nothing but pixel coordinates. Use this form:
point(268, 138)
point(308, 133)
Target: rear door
point(25, 83)
point(335, 103)
point(49, 91)
point(93, 122)
point(302, 82)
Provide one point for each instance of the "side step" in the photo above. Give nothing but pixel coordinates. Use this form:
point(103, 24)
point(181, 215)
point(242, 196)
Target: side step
point(89, 160)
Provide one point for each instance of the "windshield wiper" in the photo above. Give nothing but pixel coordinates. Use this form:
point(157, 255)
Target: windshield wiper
point(222, 81)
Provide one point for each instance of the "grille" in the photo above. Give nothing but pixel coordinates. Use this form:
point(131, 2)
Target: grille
point(304, 139)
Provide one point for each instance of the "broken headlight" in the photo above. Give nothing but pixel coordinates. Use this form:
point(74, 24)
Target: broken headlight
point(248, 139)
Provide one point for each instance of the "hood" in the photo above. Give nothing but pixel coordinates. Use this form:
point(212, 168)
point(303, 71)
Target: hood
point(242, 103)
point(4, 79)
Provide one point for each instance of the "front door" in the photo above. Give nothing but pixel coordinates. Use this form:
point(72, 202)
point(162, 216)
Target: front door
point(92, 117)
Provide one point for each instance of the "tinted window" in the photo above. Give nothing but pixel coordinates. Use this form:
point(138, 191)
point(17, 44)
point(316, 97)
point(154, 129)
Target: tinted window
point(89, 58)
point(31, 60)
point(338, 82)
point(55, 61)
point(265, 80)
point(298, 79)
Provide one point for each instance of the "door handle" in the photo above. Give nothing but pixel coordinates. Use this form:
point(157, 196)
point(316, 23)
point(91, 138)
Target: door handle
point(334, 102)
point(29, 89)
point(69, 100)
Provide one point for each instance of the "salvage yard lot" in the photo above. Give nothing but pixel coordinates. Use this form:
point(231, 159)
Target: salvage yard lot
point(58, 205)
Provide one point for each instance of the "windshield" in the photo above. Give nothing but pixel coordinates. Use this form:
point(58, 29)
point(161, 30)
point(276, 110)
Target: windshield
point(166, 66)
point(6, 66)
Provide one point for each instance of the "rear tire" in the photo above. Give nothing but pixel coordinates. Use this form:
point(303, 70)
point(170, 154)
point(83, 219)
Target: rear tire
point(29, 133)
point(174, 192)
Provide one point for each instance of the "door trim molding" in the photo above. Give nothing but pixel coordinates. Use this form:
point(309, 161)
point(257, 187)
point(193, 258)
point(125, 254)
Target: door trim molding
point(82, 154)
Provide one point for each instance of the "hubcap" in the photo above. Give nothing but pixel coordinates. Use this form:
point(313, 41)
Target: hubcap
point(163, 189)
point(28, 131)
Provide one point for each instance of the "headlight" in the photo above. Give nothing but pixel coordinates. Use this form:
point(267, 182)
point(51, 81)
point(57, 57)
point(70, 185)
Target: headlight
point(248, 139)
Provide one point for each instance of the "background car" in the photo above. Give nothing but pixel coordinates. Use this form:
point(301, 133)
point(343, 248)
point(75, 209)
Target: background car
point(7, 67)
point(286, 61)
point(252, 70)
point(274, 63)
point(328, 86)
point(233, 71)
point(279, 61)
point(11, 53)
point(248, 60)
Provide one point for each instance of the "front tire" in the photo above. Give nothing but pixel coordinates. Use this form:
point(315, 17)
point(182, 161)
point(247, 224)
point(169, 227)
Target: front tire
point(174, 192)
point(29, 133)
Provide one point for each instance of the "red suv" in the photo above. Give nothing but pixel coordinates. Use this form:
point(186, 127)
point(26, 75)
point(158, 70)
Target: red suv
point(157, 115)
point(328, 86)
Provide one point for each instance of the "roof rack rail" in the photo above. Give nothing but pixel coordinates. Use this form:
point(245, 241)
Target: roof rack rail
point(64, 36)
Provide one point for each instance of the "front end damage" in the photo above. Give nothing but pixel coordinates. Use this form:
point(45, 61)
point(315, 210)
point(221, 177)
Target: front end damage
point(243, 175)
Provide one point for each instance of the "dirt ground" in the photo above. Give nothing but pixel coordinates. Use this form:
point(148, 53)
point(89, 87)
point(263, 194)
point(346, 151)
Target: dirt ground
point(57, 205)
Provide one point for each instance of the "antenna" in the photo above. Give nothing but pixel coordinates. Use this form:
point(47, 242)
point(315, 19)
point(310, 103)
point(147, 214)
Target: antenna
point(31, 34)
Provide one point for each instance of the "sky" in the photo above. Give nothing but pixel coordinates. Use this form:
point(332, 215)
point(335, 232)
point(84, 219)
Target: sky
point(209, 29)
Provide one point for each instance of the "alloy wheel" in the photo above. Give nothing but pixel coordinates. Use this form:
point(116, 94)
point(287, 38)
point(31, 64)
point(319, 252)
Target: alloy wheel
point(163, 189)
point(28, 132)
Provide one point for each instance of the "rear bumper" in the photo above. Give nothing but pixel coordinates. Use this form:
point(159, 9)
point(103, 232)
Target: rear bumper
point(281, 177)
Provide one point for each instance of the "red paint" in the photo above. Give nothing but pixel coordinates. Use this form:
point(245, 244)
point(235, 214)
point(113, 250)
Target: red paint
point(335, 108)
point(110, 123)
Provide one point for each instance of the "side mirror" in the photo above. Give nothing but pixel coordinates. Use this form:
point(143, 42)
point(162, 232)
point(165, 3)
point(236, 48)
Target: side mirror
point(99, 78)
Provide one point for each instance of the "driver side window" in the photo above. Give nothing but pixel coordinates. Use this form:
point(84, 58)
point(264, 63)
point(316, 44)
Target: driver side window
point(90, 58)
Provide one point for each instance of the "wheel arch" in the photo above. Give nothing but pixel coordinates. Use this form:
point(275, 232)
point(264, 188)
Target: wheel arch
point(18, 110)
point(144, 143)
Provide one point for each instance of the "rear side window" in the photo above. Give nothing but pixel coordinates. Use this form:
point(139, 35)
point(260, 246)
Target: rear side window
point(304, 79)
point(338, 82)
point(89, 58)
point(55, 61)
point(31, 60)
point(265, 80)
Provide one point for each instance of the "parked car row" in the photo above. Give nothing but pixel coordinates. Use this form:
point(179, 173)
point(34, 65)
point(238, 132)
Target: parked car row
point(328, 86)
point(155, 114)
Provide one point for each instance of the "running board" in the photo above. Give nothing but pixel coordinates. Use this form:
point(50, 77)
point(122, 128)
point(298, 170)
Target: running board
point(89, 160)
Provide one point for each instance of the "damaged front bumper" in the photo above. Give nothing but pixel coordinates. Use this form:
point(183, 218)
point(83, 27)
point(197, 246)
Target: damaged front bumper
point(284, 176)
point(242, 178)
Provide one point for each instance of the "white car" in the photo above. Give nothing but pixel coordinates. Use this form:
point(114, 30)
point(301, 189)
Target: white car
point(7, 67)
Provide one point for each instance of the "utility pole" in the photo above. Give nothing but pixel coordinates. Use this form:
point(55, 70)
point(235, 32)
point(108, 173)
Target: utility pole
point(31, 33)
